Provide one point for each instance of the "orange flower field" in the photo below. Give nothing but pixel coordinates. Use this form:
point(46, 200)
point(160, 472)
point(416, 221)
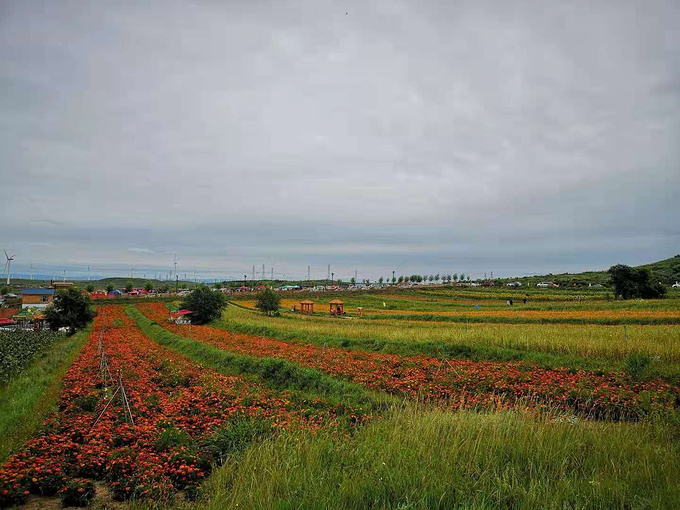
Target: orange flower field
point(452, 383)
point(175, 405)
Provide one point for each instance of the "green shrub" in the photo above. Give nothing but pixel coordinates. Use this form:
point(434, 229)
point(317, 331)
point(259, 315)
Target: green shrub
point(205, 303)
point(70, 309)
point(636, 363)
point(268, 301)
point(172, 438)
point(88, 402)
point(78, 492)
point(235, 435)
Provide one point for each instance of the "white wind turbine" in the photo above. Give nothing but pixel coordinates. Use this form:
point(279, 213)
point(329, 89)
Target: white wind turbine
point(8, 264)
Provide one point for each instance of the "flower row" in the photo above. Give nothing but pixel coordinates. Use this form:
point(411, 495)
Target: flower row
point(186, 419)
point(452, 382)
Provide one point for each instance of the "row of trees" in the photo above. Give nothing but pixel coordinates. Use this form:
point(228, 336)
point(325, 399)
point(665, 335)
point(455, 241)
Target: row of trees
point(129, 286)
point(416, 278)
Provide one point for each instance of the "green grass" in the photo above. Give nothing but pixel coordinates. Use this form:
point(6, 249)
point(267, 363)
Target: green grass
point(586, 347)
point(30, 396)
point(276, 373)
point(420, 458)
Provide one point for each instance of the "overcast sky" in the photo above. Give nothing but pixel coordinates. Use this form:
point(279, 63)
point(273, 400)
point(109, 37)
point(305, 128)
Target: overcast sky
point(421, 137)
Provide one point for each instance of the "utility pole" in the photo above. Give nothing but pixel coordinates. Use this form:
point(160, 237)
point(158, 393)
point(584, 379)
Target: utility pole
point(32, 270)
point(132, 272)
point(355, 275)
point(262, 272)
point(309, 273)
point(328, 275)
point(175, 266)
point(272, 274)
point(88, 272)
point(176, 283)
point(253, 278)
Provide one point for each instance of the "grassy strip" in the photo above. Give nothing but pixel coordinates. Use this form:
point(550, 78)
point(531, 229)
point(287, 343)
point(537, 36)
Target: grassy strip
point(276, 373)
point(429, 317)
point(423, 458)
point(448, 349)
point(30, 396)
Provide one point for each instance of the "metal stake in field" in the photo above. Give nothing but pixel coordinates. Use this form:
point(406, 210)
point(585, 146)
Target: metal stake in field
point(126, 403)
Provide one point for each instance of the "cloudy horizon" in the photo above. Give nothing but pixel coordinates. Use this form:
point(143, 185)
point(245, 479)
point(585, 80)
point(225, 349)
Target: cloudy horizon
point(376, 136)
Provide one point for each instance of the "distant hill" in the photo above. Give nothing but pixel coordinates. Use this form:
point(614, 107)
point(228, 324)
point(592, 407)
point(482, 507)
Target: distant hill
point(665, 271)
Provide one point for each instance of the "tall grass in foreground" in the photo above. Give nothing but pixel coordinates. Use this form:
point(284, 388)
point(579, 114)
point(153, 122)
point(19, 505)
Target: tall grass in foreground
point(417, 458)
point(31, 395)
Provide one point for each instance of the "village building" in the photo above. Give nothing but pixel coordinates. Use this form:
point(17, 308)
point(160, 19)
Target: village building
point(36, 298)
point(61, 285)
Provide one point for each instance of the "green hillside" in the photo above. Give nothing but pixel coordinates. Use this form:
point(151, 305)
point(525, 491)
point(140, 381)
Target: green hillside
point(665, 271)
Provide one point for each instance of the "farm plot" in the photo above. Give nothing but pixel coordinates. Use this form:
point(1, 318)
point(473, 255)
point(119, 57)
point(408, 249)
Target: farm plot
point(609, 344)
point(453, 383)
point(17, 348)
point(496, 311)
point(184, 420)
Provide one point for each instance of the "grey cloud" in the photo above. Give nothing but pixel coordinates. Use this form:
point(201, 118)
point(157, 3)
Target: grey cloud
point(532, 135)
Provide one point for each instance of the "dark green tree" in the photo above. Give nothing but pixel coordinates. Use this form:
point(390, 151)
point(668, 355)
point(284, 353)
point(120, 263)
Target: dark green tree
point(634, 282)
point(89, 287)
point(217, 286)
point(70, 309)
point(148, 286)
point(353, 280)
point(129, 286)
point(205, 304)
point(4, 290)
point(109, 287)
point(268, 301)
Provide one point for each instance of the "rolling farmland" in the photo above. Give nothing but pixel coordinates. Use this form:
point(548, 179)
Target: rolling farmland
point(209, 407)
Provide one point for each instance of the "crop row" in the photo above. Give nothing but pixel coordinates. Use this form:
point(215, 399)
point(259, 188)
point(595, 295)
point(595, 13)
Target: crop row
point(18, 347)
point(186, 419)
point(451, 382)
